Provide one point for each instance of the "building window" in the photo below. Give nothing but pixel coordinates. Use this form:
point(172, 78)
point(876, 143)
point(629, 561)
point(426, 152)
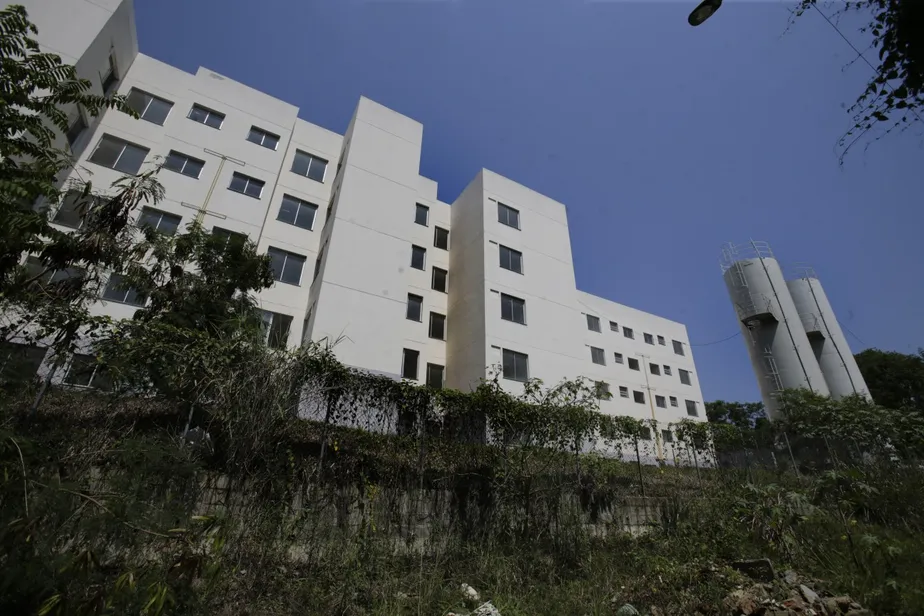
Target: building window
point(628, 333)
point(421, 214)
point(435, 376)
point(638, 396)
point(645, 433)
point(660, 402)
point(602, 390)
point(287, 266)
point(439, 279)
point(623, 392)
point(691, 408)
point(20, 362)
point(673, 400)
point(441, 238)
point(296, 212)
point(418, 257)
point(276, 329)
point(511, 259)
point(661, 341)
point(614, 326)
point(617, 357)
point(119, 154)
point(437, 326)
point(655, 369)
point(149, 107)
point(162, 222)
point(261, 137)
point(86, 371)
point(414, 307)
point(63, 282)
point(678, 347)
point(111, 78)
point(117, 290)
point(516, 365)
point(312, 167)
point(76, 129)
point(667, 370)
point(317, 263)
point(206, 116)
point(244, 184)
point(597, 356)
point(229, 237)
point(181, 163)
point(593, 323)
point(506, 215)
point(409, 364)
point(513, 309)
point(649, 339)
point(684, 376)
point(667, 436)
point(72, 211)
point(633, 364)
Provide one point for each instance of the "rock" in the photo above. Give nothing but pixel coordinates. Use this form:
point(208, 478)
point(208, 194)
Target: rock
point(794, 603)
point(627, 610)
point(808, 594)
point(741, 602)
point(401, 596)
point(791, 578)
point(843, 603)
point(760, 569)
point(486, 609)
point(654, 610)
point(470, 595)
point(859, 612)
point(831, 606)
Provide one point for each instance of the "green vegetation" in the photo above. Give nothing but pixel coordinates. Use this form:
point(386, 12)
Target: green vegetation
point(894, 95)
point(215, 475)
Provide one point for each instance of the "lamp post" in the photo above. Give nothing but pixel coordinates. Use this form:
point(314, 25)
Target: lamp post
point(704, 11)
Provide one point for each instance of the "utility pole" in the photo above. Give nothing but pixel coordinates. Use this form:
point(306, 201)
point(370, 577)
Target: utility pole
point(200, 215)
point(657, 436)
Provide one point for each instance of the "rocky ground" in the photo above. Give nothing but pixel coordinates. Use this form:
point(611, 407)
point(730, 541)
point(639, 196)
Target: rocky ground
point(768, 594)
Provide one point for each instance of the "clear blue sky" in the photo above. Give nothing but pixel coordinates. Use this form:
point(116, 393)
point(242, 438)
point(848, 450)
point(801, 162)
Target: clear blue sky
point(664, 141)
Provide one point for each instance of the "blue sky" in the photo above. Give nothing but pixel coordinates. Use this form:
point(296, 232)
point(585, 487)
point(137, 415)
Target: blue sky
point(664, 141)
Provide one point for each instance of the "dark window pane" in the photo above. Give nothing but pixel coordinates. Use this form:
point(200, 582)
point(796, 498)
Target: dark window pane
point(138, 101)
point(131, 160)
point(639, 397)
point(214, 120)
point(439, 279)
point(678, 347)
point(691, 408)
point(437, 326)
point(660, 402)
point(198, 114)
point(598, 356)
point(667, 436)
point(508, 216)
point(515, 365)
point(441, 238)
point(593, 323)
point(317, 169)
point(254, 188)
point(434, 376)
point(81, 370)
point(72, 210)
point(278, 334)
point(301, 163)
point(107, 151)
point(418, 256)
point(158, 110)
point(20, 362)
point(421, 214)
point(238, 182)
point(75, 130)
point(288, 210)
point(414, 307)
point(409, 364)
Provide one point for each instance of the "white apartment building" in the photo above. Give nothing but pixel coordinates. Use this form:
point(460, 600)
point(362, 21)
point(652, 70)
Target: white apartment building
point(363, 250)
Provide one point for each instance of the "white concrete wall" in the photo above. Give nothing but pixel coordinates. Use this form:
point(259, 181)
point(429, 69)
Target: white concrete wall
point(84, 33)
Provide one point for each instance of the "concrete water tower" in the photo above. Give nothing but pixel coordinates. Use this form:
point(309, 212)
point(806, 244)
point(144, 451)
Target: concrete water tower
point(788, 326)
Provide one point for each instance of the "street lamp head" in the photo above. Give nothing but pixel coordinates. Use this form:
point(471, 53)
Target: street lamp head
point(704, 11)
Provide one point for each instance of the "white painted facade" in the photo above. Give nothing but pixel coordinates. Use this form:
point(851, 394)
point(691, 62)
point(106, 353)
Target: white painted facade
point(364, 230)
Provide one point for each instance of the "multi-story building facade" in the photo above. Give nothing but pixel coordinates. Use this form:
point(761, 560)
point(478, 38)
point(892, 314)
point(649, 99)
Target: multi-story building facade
point(363, 251)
